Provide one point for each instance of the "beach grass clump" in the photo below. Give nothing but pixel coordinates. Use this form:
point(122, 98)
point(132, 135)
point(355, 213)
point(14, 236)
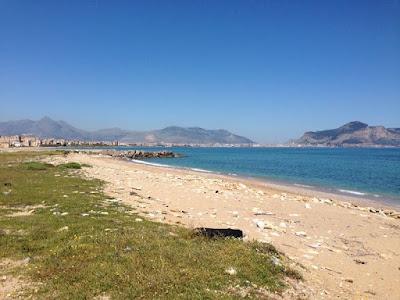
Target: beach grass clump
point(37, 165)
point(81, 245)
point(70, 165)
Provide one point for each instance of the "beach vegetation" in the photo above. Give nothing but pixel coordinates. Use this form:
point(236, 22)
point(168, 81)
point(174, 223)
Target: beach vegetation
point(37, 165)
point(70, 165)
point(80, 244)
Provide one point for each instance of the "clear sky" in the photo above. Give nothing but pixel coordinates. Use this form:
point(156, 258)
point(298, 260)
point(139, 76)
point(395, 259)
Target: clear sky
point(269, 70)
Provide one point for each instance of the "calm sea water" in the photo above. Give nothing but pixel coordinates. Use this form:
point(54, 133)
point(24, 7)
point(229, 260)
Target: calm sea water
point(364, 172)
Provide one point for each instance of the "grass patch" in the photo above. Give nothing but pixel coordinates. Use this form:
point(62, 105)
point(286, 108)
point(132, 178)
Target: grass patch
point(81, 246)
point(37, 165)
point(70, 165)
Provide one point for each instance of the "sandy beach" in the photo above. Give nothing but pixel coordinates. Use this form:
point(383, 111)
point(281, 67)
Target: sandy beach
point(345, 251)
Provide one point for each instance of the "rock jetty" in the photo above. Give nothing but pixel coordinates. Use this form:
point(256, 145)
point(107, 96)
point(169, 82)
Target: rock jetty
point(138, 154)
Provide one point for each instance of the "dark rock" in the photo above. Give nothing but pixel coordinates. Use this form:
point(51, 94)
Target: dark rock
point(219, 232)
point(135, 154)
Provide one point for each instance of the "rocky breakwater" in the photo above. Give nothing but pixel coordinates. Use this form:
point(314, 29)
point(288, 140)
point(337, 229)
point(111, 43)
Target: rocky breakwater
point(138, 154)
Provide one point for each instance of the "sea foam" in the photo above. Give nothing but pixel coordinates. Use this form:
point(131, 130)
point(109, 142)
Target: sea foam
point(149, 163)
point(200, 170)
point(352, 192)
point(302, 185)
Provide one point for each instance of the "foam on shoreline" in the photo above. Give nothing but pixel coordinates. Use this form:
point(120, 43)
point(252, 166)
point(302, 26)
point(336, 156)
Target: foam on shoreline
point(150, 164)
point(303, 185)
point(172, 167)
point(201, 170)
point(352, 192)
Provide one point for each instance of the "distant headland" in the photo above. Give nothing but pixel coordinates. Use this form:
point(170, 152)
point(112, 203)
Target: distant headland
point(353, 134)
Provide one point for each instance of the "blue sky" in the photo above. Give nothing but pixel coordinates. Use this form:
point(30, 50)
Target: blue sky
point(269, 70)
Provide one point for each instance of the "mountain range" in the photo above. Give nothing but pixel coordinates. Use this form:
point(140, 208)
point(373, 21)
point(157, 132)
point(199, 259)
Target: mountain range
point(48, 128)
point(353, 134)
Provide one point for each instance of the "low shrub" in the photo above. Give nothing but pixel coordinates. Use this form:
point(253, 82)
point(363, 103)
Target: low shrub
point(71, 165)
point(37, 165)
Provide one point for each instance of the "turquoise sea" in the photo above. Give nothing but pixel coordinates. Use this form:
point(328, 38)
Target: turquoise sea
point(364, 172)
point(372, 173)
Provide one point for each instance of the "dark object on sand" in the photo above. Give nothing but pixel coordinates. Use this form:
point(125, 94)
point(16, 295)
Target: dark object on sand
point(219, 232)
point(360, 262)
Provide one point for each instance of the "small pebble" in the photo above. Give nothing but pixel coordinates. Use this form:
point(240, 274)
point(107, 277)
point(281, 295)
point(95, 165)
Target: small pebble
point(301, 233)
point(65, 228)
point(231, 271)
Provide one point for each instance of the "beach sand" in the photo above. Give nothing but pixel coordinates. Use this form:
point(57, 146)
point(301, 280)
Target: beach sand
point(346, 252)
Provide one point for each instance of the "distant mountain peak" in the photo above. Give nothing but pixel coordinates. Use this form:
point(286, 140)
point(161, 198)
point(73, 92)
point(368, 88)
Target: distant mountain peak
point(47, 119)
point(354, 125)
point(48, 128)
point(354, 133)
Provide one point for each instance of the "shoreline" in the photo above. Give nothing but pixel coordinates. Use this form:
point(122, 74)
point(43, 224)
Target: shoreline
point(358, 198)
point(383, 203)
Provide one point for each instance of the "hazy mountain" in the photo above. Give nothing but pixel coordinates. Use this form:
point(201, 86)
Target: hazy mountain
point(45, 127)
point(109, 134)
point(48, 128)
point(353, 134)
point(191, 135)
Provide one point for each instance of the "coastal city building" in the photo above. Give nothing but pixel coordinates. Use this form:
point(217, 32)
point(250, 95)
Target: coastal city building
point(19, 141)
point(16, 141)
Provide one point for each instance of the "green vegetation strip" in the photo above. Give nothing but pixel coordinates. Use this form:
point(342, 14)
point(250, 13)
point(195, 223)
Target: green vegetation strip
point(81, 244)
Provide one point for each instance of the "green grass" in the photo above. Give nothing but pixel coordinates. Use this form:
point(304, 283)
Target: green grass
point(71, 165)
point(40, 166)
point(36, 165)
point(108, 252)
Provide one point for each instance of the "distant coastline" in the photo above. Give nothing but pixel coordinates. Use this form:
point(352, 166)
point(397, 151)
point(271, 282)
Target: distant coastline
point(47, 132)
point(47, 128)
